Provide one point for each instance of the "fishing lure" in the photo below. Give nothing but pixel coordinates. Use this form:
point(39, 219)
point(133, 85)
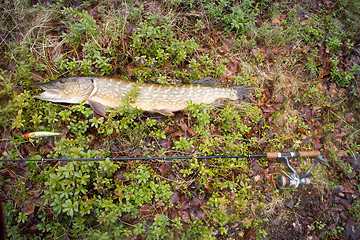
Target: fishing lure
point(40, 134)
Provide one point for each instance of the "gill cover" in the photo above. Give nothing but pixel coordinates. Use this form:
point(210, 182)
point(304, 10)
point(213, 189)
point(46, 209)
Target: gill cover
point(67, 90)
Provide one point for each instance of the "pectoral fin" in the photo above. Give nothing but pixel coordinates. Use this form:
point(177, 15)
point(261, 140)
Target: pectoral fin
point(97, 107)
point(164, 111)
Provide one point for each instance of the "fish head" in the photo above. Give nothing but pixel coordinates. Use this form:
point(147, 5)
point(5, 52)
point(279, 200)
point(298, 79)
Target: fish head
point(67, 90)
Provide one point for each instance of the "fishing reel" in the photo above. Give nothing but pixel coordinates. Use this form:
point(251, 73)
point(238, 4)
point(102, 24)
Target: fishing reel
point(295, 179)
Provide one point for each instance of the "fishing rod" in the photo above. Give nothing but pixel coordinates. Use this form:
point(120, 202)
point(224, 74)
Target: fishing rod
point(286, 181)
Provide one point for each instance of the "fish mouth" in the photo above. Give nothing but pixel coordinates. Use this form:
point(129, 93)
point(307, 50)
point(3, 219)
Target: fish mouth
point(51, 92)
point(50, 86)
point(55, 93)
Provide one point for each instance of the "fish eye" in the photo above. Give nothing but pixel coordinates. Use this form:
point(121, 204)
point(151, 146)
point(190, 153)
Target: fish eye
point(62, 80)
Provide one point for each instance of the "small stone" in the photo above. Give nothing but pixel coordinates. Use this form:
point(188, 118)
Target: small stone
point(289, 203)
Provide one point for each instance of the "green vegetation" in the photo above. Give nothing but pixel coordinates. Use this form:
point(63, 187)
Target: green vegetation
point(306, 100)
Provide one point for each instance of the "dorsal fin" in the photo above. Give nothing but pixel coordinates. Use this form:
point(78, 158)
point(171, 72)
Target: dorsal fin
point(206, 81)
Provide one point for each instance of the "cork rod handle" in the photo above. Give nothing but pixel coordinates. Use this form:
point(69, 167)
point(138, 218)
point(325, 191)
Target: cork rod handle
point(309, 154)
point(272, 155)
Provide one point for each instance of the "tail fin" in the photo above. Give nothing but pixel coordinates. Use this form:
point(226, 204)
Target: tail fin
point(243, 91)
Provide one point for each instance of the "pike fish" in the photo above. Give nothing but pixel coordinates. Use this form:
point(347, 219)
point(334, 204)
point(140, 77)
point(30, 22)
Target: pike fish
point(101, 92)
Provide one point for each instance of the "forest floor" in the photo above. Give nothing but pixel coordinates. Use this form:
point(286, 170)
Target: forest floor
point(304, 58)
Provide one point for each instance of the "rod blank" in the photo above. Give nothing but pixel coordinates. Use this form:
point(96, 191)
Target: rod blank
point(270, 155)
